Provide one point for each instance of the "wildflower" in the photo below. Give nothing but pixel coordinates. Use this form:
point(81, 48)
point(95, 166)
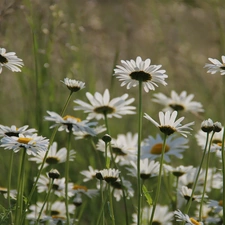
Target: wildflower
point(54, 174)
point(182, 102)
point(216, 205)
point(217, 127)
point(185, 218)
point(162, 216)
point(80, 189)
point(168, 125)
point(186, 194)
point(152, 147)
point(102, 106)
point(207, 126)
point(10, 61)
point(216, 66)
point(89, 174)
point(132, 72)
point(32, 143)
point(15, 131)
point(4, 192)
point(73, 85)
point(70, 123)
point(109, 175)
point(179, 170)
point(54, 156)
point(148, 168)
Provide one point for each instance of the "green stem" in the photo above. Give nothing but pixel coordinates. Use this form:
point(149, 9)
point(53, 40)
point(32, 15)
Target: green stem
point(223, 163)
point(67, 177)
point(197, 176)
point(159, 179)
point(206, 174)
point(46, 199)
point(9, 185)
point(111, 205)
point(139, 153)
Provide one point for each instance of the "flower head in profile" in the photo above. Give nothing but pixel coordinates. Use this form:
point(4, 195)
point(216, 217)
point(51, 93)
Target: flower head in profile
point(185, 218)
point(32, 143)
point(132, 72)
point(10, 61)
point(168, 125)
point(152, 147)
point(73, 85)
point(182, 102)
point(179, 170)
point(15, 131)
point(54, 156)
point(89, 174)
point(216, 66)
point(109, 175)
point(102, 106)
point(69, 123)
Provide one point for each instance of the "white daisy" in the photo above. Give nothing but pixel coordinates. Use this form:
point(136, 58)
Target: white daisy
point(109, 175)
point(182, 102)
point(152, 147)
point(179, 170)
point(15, 131)
point(10, 61)
point(216, 66)
point(32, 143)
point(216, 205)
point(84, 135)
point(70, 123)
point(162, 216)
point(73, 85)
point(12, 193)
point(54, 156)
point(186, 192)
point(58, 187)
point(168, 125)
point(102, 106)
point(148, 168)
point(80, 189)
point(185, 218)
point(132, 72)
point(89, 174)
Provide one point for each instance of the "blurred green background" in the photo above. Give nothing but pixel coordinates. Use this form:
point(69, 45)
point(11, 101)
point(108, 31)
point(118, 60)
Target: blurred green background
point(84, 40)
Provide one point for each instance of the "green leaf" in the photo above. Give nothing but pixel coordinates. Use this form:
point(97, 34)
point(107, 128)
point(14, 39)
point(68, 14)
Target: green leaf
point(147, 195)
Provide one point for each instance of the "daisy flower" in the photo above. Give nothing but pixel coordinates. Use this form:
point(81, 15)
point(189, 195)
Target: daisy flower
point(179, 170)
point(216, 66)
point(58, 187)
point(186, 192)
point(73, 85)
point(152, 147)
point(216, 205)
point(124, 148)
point(10, 61)
point(54, 156)
point(32, 143)
point(168, 125)
point(185, 218)
point(102, 106)
point(132, 72)
point(12, 193)
point(216, 143)
point(182, 102)
point(84, 135)
point(70, 123)
point(162, 216)
point(80, 189)
point(15, 131)
point(148, 168)
point(89, 174)
point(109, 175)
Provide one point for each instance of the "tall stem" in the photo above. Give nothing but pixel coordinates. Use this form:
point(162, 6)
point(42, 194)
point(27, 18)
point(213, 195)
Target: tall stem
point(9, 186)
point(139, 152)
point(223, 163)
point(159, 179)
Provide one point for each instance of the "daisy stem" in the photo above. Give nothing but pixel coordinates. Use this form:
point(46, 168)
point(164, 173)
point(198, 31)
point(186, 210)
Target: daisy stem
point(206, 174)
point(139, 153)
point(46, 199)
point(111, 205)
point(66, 104)
point(19, 202)
point(9, 186)
point(223, 169)
point(159, 179)
point(67, 177)
point(196, 176)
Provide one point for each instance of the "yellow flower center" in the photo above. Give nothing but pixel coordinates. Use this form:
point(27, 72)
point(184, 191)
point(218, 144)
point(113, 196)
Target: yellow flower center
point(157, 149)
point(24, 140)
point(77, 187)
point(72, 117)
point(194, 221)
point(220, 203)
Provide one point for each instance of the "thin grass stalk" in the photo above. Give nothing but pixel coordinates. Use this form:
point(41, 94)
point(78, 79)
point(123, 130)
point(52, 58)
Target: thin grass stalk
point(67, 177)
point(9, 186)
point(45, 201)
point(206, 174)
point(159, 179)
point(139, 153)
point(223, 170)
